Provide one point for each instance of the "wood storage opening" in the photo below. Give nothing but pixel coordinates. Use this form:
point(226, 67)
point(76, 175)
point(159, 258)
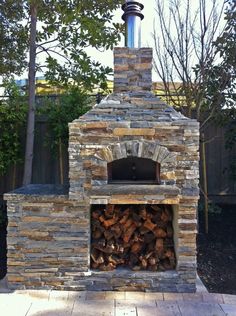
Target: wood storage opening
point(136, 237)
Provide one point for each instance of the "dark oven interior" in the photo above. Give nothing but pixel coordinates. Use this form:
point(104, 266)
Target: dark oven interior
point(134, 170)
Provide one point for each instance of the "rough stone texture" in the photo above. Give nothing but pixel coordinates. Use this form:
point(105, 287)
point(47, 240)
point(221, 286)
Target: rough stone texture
point(132, 69)
point(47, 238)
point(49, 235)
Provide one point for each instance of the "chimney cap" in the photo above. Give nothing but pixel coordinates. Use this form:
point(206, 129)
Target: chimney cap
point(132, 8)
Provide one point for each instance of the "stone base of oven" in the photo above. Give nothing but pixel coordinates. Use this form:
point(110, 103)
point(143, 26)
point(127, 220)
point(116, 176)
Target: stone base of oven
point(119, 280)
point(48, 247)
point(126, 280)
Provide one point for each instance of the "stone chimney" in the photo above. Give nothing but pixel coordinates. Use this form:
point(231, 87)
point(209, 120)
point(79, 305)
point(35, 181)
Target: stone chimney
point(132, 69)
point(132, 64)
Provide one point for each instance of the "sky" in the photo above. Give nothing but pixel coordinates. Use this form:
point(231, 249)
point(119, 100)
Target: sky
point(146, 38)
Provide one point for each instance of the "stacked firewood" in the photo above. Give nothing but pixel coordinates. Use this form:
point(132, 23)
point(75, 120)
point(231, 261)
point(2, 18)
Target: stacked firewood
point(139, 237)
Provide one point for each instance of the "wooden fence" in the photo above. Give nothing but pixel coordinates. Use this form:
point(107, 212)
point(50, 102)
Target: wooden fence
point(221, 185)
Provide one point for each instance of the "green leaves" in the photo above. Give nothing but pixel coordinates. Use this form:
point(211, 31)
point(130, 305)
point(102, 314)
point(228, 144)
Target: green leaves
point(67, 107)
point(69, 26)
point(12, 119)
point(13, 36)
point(221, 86)
point(83, 71)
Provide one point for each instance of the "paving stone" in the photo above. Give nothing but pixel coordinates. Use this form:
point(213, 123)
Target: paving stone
point(95, 296)
point(14, 305)
point(213, 298)
point(153, 296)
point(115, 295)
point(37, 294)
point(167, 309)
point(58, 295)
point(201, 309)
point(230, 310)
point(134, 303)
point(193, 297)
point(51, 308)
point(125, 311)
point(173, 296)
point(146, 311)
point(229, 299)
point(92, 308)
point(134, 295)
point(76, 295)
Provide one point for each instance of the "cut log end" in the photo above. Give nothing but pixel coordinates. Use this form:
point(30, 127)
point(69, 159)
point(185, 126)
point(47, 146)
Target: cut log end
point(136, 237)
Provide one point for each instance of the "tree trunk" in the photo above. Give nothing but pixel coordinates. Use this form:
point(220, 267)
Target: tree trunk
point(14, 177)
point(31, 102)
point(61, 162)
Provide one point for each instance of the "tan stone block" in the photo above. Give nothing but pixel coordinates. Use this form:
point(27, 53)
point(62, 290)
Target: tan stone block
point(143, 66)
point(105, 154)
point(173, 201)
point(15, 263)
point(15, 256)
point(87, 185)
point(94, 125)
point(34, 233)
point(12, 224)
point(87, 164)
point(120, 67)
point(168, 175)
point(37, 219)
point(133, 131)
point(126, 201)
point(87, 152)
point(188, 235)
point(15, 278)
point(121, 75)
point(54, 283)
point(29, 205)
point(99, 172)
point(48, 238)
point(146, 60)
point(125, 55)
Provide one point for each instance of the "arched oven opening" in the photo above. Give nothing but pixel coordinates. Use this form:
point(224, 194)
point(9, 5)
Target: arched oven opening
point(134, 170)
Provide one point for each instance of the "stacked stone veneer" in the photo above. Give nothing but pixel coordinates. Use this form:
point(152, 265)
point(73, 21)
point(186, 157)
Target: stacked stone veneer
point(49, 235)
point(132, 69)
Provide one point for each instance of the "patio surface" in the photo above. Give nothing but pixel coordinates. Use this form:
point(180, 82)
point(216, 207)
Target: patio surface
point(65, 303)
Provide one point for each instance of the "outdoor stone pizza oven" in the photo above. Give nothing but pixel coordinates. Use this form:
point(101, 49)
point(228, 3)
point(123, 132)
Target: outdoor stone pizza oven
point(129, 221)
point(130, 153)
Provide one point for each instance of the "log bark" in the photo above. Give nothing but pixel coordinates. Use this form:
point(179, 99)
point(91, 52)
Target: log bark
point(138, 237)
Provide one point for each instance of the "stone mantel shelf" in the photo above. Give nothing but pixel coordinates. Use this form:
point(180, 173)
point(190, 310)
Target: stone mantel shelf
point(145, 193)
point(141, 189)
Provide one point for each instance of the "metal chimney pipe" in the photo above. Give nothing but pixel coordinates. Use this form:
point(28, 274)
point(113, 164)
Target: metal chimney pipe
point(132, 17)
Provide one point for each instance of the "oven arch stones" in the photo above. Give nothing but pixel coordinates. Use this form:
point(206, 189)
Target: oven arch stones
point(141, 149)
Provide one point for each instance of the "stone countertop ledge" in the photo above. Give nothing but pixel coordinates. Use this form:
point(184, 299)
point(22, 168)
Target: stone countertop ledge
point(39, 190)
point(131, 189)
